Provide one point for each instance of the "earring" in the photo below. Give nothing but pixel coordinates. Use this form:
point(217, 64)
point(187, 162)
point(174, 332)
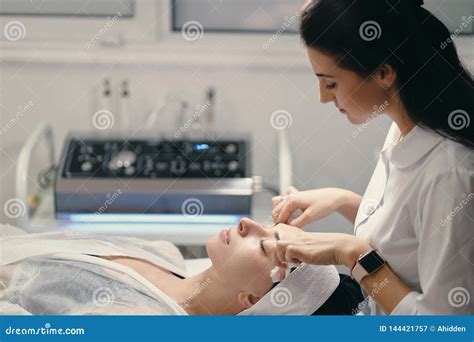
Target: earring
point(385, 87)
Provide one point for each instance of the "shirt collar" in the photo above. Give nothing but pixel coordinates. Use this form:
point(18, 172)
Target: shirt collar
point(414, 146)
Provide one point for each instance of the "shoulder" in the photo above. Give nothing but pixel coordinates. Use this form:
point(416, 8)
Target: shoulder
point(448, 169)
point(451, 158)
point(445, 178)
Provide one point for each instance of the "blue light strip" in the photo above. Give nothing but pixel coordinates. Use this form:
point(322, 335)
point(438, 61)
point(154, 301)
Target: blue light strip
point(149, 218)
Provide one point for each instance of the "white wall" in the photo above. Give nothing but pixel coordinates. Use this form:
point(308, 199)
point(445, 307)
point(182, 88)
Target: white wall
point(248, 91)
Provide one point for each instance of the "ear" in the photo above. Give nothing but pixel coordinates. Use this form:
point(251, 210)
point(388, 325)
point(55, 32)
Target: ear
point(247, 300)
point(386, 75)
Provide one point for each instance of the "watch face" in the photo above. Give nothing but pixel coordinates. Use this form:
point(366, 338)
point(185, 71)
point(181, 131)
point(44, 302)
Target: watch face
point(371, 262)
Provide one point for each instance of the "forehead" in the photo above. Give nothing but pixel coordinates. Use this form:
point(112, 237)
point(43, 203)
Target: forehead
point(321, 62)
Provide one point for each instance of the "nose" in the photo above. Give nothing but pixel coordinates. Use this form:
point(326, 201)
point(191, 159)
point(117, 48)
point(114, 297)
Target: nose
point(325, 95)
point(248, 227)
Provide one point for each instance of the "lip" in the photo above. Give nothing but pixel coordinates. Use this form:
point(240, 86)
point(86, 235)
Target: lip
point(225, 235)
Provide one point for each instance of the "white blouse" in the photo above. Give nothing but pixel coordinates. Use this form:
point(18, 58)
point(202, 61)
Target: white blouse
point(418, 212)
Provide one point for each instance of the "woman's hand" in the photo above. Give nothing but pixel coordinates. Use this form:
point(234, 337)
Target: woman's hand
point(319, 249)
point(315, 205)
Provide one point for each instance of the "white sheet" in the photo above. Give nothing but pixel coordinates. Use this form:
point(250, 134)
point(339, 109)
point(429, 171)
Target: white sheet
point(30, 263)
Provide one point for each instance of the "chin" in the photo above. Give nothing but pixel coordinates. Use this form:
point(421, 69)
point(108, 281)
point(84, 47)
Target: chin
point(356, 120)
point(214, 249)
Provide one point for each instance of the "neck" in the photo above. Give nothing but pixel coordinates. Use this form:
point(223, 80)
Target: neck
point(205, 294)
point(401, 118)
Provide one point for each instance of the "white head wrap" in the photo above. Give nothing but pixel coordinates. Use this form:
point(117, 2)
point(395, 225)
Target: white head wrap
point(301, 293)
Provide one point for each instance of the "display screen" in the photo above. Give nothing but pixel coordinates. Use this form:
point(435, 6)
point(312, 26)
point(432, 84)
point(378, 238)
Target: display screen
point(371, 262)
point(201, 147)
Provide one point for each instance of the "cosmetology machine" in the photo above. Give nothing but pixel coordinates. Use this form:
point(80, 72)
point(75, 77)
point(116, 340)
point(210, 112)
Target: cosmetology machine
point(152, 179)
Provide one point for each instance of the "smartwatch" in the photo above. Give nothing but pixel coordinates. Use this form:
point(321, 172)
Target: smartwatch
point(367, 263)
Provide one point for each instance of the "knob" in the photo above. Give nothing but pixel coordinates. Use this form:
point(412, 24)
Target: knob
point(86, 166)
point(233, 165)
point(231, 148)
point(122, 159)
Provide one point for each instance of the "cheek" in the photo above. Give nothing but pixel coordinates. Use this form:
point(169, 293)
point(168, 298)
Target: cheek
point(362, 99)
point(242, 266)
point(246, 268)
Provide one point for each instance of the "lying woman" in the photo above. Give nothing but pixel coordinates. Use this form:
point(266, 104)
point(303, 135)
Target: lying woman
point(72, 273)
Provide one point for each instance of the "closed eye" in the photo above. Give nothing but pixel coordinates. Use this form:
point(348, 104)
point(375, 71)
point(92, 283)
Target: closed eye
point(261, 246)
point(276, 235)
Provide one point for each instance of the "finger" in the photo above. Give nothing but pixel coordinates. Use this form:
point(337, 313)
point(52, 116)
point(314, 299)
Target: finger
point(277, 210)
point(293, 254)
point(287, 210)
point(282, 272)
point(280, 252)
point(276, 200)
point(301, 220)
point(276, 213)
point(270, 247)
point(290, 190)
point(271, 250)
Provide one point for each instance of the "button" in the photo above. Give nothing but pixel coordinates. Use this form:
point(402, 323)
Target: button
point(207, 165)
point(369, 210)
point(194, 166)
point(161, 166)
point(86, 166)
point(130, 170)
point(231, 148)
point(233, 165)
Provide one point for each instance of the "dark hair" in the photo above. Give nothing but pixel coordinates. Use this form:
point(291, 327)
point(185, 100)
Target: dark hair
point(435, 88)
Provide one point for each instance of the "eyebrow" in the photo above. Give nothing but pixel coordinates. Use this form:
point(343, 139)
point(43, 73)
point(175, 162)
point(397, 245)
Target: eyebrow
point(325, 75)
